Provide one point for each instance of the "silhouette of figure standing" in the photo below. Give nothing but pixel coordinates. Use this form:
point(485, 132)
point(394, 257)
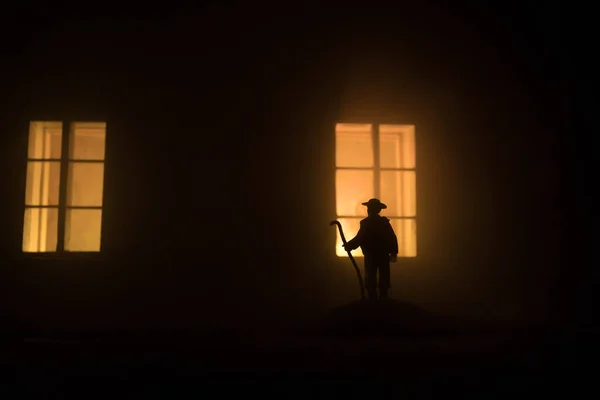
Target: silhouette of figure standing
point(379, 244)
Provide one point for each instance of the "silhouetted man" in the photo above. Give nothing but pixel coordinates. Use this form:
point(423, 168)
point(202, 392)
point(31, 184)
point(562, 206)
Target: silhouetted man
point(379, 244)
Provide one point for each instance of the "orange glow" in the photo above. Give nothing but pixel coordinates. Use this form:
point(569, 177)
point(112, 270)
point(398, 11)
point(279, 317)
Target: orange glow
point(83, 230)
point(397, 146)
point(85, 184)
point(352, 188)
point(40, 232)
point(357, 167)
point(42, 187)
point(350, 226)
point(354, 145)
point(398, 190)
point(45, 140)
point(84, 187)
point(406, 232)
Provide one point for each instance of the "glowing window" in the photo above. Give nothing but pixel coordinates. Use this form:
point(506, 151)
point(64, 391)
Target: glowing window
point(64, 188)
point(377, 160)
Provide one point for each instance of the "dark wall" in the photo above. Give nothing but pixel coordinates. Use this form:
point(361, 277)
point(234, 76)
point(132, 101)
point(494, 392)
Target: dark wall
point(219, 171)
point(487, 89)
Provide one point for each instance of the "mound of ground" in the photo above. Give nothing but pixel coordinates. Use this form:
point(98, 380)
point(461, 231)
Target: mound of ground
point(389, 318)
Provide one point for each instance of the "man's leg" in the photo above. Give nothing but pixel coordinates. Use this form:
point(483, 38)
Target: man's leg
point(384, 279)
point(371, 277)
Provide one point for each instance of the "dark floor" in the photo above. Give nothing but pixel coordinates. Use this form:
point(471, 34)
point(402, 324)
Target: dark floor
point(336, 357)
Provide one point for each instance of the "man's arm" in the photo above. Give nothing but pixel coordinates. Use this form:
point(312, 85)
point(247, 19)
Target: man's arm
point(356, 241)
point(393, 242)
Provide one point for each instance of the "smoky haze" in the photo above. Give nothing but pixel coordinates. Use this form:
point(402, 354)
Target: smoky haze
point(219, 177)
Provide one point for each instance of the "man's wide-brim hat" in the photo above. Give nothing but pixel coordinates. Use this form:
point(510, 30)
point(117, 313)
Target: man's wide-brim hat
point(375, 203)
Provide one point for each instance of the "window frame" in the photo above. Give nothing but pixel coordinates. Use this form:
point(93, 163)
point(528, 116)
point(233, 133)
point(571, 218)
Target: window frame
point(377, 169)
point(65, 160)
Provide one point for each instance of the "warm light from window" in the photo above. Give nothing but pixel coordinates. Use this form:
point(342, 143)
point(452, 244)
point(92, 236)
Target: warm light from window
point(377, 161)
point(64, 189)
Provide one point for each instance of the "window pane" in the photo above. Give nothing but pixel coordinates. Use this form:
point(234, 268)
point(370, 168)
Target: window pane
point(45, 140)
point(353, 187)
point(406, 232)
point(350, 227)
point(83, 230)
point(353, 145)
point(43, 181)
point(88, 141)
point(399, 193)
point(40, 230)
point(85, 184)
point(397, 146)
